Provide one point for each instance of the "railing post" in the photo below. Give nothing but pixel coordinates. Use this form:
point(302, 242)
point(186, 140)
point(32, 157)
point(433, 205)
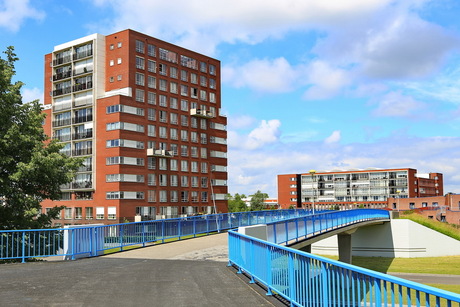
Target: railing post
point(179, 228)
point(163, 231)
point(72, 231)
point(23, 246)
point(291, 278)
point(324, 285)
point(121, 237)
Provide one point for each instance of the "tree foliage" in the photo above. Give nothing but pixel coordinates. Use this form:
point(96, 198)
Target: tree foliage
point(257, 201)
point(236, 203)
point(31, 166)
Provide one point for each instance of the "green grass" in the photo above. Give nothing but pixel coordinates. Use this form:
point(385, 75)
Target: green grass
point(444, 228)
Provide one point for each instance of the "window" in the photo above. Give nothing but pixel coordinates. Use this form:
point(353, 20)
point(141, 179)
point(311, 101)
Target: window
point(163, 196)
point(203, 81)
point(203, 95)
point(173, 180)
point(203, 67)
point(151, 82)
point(184, 166)
point(212, 83)
point(140, 95)
point(163, 164)
point(152, 196)
point(151, 114)
point(212, 97)
point(194, 151)
point(163, 85)
point(119, 61)
point(204, 167)
point(151, 50)
point(163, 116)
point(173, 103)
point(100, 213)
point(151, 66)
point(111, 79)
point(140, 63)
point(194, 166)
point(174, 196)
point(411, 205)
point(173, 72)
point(184, 196)
point(163, 132)
point(162, 68)
point(173, 87)
point(173, 165)
point(184, 150)
point(111, 47)
point(112, 213)
point(183, 75)
point(68, 213)
point(173, 133)
point(151, 179)
point(151, 162)
point(163, 101)
point(89, 213)
point(184, 105)
point(152, 98)
point(140, 79)
point(184, 181)
point(212, 69)
point(194, 181)
point(111, 63)
point(139, 46)
point(163, 180)
point(184, 90)
point(193, 78)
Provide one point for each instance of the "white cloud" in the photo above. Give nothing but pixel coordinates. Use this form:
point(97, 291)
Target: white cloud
point(203, 24)
point(266, 133)
point(398, 105)
point(14, 13)
point(269, 76)
point(29, 95)
point(333, 138)
point(326, 81)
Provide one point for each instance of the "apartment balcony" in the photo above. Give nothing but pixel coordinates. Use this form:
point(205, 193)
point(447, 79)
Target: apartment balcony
point(82, 71)
point(62, 91)
point(160, 153)
point(82, 152)
point(62, 60)
point(83, 86)
point(82, 119)
point(62, 138)
point(83, 54)
point(82, 135)
point(200, 113)
point(82, 185)
point(62, 75)
point(62, 122)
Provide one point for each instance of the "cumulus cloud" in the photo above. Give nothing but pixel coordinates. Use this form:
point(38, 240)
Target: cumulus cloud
point(267, 132)
point(31, 94)
point(325, 81)
point(333, 138)
point(265, 75)
point(396, 104)
point(14, 13)
point(203, 24)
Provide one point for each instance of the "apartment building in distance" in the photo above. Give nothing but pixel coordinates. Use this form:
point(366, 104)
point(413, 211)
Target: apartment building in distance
point(369, 187)
point(145, 116)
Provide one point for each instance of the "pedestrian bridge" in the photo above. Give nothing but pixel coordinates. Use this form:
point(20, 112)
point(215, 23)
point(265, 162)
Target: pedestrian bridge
point(300, 278)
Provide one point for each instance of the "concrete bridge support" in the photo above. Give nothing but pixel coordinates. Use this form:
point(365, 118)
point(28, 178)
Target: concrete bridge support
point(345, 251)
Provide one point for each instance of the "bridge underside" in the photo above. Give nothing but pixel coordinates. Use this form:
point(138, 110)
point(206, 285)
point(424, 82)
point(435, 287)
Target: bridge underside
point(343, 236)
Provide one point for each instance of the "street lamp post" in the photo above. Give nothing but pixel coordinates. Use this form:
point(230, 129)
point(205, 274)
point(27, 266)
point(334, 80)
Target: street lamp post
point(398, 192)
point(312, 173)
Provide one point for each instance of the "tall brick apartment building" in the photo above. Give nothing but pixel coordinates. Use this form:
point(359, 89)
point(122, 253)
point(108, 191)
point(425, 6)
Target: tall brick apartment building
point(145, 115)
point(369, 187)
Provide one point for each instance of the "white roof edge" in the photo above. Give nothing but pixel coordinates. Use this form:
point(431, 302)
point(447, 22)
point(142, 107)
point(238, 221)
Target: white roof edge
point(78, 41)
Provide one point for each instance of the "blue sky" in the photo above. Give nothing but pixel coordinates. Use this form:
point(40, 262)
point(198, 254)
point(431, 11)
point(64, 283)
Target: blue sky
point(306, 84)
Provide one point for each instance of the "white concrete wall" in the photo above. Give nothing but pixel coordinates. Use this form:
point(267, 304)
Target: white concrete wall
point(256, 231)
point(399, 238)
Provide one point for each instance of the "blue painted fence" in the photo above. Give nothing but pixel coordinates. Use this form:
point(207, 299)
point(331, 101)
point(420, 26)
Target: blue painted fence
point(300, 228)
point(308, 280)
point(88, 241)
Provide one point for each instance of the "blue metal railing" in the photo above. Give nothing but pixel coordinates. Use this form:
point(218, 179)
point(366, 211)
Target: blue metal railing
point(88, 241)
point(308, 280)
point(301, 228)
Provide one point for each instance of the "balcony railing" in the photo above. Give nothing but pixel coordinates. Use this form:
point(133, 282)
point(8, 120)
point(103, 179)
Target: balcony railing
point(82, 54)
point(82, 185)
point(82, 135)
point(82, 152)
point(201, 113)
point(62, 75)
point(62, 60)
point(62, 138)
point(62, 91)
point(82, 119)
point(62, 122)
point(83, 86)
point(159, 153)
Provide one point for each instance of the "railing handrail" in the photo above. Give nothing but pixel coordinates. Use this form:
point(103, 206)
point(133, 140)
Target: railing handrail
point(393, 279)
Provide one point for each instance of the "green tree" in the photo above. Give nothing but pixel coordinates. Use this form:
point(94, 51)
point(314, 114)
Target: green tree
point(236, 203)
point(31, 166)
point(257, 201)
